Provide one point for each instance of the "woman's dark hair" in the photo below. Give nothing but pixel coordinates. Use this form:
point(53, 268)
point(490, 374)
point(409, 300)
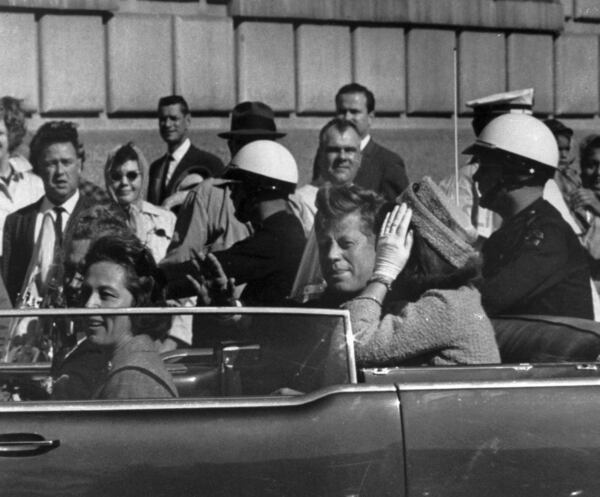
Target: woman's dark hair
point(144, 280)
point(124, 154)
point(426, 270)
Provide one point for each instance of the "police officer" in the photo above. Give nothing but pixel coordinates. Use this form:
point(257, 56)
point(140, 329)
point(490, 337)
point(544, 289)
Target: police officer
point(534, 263)
point(263, 175)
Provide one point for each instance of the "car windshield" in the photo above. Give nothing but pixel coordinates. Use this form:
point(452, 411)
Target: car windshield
point(232, 352)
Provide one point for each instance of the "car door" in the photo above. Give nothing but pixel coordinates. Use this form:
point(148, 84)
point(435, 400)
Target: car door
point(533, 430)
point(335, 437)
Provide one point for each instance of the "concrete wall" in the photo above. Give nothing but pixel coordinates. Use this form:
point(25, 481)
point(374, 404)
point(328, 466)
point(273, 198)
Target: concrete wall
point(104, 64)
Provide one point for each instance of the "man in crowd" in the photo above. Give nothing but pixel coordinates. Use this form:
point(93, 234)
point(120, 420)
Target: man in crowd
point(206, 220)
point(533, 264)
point(57, 156)
point(339, 160)
point(184, 165)
point(485, 109)
point(16, 124)
point(381, 170)
point(263, 175)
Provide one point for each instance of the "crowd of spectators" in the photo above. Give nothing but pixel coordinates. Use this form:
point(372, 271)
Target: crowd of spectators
point(422, 271)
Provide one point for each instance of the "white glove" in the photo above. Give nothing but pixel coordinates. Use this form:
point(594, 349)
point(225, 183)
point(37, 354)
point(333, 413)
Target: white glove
point(394, 245)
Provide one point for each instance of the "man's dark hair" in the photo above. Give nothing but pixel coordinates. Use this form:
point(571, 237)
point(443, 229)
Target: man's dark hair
point(172, 100)
point(588, 145)
point(357, 88)
point(54, 132)
point(14, 119)
point(143, 279)
point(336, 202)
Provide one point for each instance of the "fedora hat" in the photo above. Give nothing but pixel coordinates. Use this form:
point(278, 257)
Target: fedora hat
point(252, 119)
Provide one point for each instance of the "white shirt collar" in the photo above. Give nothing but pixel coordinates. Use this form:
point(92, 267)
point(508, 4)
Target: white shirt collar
point(68, 206)
point(364, 142)
point(181, 150)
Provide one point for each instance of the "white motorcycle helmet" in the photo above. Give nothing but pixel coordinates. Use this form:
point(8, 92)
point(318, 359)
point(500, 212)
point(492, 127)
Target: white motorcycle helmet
point(523, 138)
point(265, 164)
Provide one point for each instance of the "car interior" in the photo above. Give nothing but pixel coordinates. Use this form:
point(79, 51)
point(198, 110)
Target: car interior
point(257, 353)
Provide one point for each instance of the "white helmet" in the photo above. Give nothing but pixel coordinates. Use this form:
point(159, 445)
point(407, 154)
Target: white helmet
point(265, 163)
point(521, 135)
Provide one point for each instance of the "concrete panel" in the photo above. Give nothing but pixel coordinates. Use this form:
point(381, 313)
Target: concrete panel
point(379, 64)
point(204, 63)
point(19, 58)
point(323, 65)
point(568, 6)
point(140, 62)
point(482, 66)
point(536, 15)
point(577, 74)
point(530, 65)
point(266, 64)
point(587, 9)
point(72, 63)
point(430, 71)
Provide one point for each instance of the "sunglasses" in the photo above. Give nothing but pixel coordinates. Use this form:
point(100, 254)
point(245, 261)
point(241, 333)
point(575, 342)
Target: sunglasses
point(131, 176)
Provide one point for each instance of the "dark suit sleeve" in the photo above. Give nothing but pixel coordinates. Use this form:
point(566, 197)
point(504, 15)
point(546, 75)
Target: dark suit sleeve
point(7, 237)
point(154, 173)
point(395, 180)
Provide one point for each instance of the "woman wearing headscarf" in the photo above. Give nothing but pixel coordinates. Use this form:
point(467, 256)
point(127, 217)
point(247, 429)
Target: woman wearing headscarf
point(126, 177)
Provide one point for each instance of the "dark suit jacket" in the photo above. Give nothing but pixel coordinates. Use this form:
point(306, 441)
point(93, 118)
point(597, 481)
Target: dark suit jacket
point(194, 161)
point(381, 170)
point(18, 242)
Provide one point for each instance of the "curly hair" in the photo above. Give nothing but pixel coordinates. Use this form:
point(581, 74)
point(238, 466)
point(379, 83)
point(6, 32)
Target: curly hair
point(14, 118)
point(336, 202)
point(54, 132)
point(144, 280)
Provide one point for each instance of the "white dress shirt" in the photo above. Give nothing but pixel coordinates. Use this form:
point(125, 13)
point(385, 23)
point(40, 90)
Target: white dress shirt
point(177, 155)
point(48, 206)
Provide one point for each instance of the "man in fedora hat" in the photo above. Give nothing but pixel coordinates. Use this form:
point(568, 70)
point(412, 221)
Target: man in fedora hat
point(184, 165)
point(250, 121)
point(207, 220)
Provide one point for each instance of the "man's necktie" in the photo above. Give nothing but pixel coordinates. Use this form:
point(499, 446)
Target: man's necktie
point(168, 160)
point(58, 225)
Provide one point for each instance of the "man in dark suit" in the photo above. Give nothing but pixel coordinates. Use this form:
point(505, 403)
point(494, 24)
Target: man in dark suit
point(381, 169)
point(57, 157)
point(183, 166)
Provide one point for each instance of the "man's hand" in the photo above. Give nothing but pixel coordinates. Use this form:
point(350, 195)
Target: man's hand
point(584, 198)
point(212, 285)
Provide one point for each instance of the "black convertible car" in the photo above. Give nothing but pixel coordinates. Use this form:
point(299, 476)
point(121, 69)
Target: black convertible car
point(271, 404)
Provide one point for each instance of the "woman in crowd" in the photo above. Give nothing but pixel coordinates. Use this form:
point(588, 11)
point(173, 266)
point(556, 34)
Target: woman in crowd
point(126, 177)
point(121, 272)
point(409, 291)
